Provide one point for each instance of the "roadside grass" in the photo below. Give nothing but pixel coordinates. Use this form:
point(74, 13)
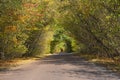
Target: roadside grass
point(110, 64)
point(8, 64)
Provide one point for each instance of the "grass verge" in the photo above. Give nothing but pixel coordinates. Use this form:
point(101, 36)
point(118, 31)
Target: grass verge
point(8, 64)
point(110, 64)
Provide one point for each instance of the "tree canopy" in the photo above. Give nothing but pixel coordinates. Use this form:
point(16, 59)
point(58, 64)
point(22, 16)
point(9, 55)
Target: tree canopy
point(35, 27)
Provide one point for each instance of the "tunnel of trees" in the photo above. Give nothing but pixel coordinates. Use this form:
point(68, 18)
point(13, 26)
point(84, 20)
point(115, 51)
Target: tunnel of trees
point(35, 27)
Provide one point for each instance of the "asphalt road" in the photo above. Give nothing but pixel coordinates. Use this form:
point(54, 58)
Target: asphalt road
point(60, 67)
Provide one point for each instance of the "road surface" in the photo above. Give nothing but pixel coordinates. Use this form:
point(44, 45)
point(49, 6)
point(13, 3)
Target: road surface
point(59, 67)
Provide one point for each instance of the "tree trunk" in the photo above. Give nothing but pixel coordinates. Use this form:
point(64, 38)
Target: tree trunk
point(2, 55)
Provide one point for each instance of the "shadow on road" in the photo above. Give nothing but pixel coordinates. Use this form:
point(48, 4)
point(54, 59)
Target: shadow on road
point(84, 67)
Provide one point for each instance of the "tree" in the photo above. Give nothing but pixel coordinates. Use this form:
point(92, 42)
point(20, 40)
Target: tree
point(93, 23)
point(12, 36)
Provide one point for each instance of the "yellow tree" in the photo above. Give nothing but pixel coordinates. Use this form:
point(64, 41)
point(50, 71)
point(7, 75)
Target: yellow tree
point(12, 37)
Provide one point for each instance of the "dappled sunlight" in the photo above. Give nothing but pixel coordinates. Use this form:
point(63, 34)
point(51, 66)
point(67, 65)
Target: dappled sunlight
point(74, 66)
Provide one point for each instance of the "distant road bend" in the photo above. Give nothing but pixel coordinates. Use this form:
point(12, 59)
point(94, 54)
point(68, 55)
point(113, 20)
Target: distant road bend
point(59, 67)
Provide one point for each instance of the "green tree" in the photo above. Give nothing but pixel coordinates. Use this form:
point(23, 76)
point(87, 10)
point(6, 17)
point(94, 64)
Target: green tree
point(93, 23)
point(12, 37)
